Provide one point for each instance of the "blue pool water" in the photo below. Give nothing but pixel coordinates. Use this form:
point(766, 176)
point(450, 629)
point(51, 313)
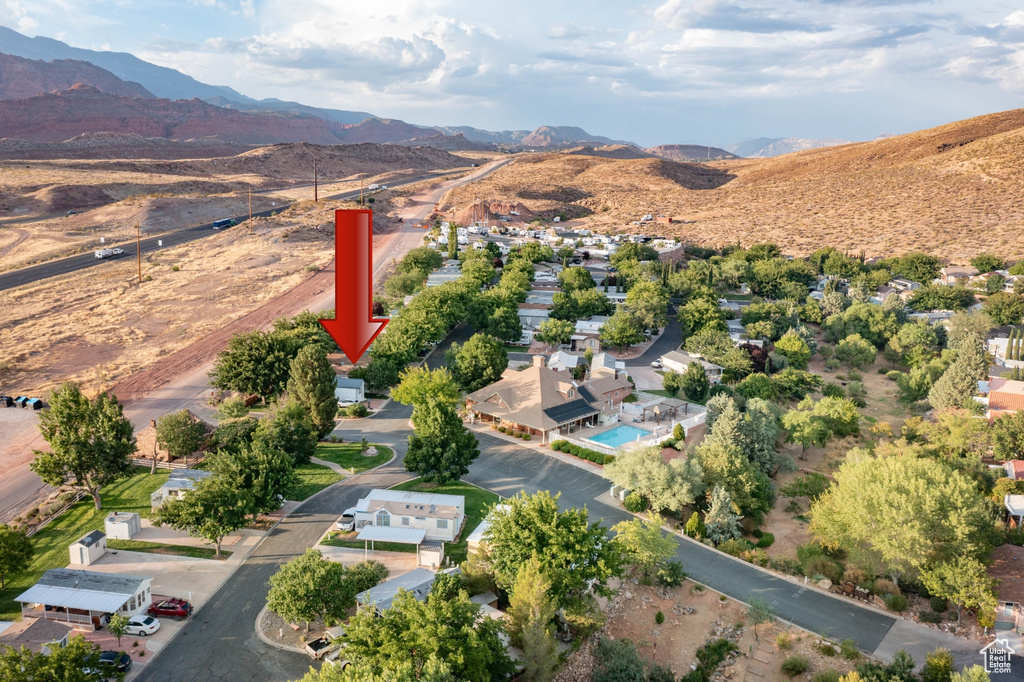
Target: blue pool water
point(620, 435)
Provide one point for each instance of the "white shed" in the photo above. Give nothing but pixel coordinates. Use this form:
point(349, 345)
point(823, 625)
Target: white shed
point(122, 525)
point(88, 549)
point(349, 390)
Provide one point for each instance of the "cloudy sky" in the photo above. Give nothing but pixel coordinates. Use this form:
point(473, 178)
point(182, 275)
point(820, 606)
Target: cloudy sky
point(705, 71)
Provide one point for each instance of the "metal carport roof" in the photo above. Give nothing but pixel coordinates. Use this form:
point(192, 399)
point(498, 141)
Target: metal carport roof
point(409, 536)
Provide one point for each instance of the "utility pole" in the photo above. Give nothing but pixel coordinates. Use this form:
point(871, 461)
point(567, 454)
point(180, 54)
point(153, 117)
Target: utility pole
point(361, 189)
point(250, 211)
point(138, 250)
point(316, 189)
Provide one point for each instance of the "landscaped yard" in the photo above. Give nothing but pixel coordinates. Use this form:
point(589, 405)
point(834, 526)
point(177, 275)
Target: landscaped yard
point(350, 456)
point(478, 501)
point(162, 548)
point(51, 543)
point(312, 479)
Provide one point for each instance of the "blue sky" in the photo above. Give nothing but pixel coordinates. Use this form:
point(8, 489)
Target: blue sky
point(672, 71)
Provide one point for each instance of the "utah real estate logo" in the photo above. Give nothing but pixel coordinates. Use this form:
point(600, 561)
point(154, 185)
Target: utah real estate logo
point(997, 656)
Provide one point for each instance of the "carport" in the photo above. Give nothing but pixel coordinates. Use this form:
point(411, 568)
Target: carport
point(403, 536)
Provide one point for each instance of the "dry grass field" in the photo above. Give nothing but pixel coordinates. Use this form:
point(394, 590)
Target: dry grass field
point(952, 191)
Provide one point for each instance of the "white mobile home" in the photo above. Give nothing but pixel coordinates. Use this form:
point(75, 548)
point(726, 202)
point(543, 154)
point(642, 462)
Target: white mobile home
point(441, 516)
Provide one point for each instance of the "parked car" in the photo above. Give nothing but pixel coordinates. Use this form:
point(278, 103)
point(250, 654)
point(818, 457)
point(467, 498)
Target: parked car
point(656, 364)
point(115, 660)
point(327, 644)
point(142, 625)
point(347, 522)
point(173, 608)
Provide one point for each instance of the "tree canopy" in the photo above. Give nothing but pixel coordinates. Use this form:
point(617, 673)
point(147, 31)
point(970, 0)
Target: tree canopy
point(311, 383)
point(477, 363)
point(257, 363)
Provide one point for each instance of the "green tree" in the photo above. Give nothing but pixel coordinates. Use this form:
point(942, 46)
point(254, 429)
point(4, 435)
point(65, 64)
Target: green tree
point(974, 673)
point(1008, 436)
point(695, 527)
point(919, 267)
point(574, 553)
point(264, 475)
point(909, 513)
point(477, 363)
point(505, 325)
point(15, 553)
point(621, 330)
point(79, 661)
point(711, 344)
point(941, 297)
point(759, 613)
point(445, 627)
point(871, 322)
point(211, 510)
point(530, 601)
point(117, 626)
point(311, 383)
point(572, 279)
point(987, 262)
point(310, 587)
point(290, 429)
point(666, 487)
point(179, 433)
point(793, 346)
point(647, 302)
point(721, 522)
point(91, 442)
point(643, 544)
point(959, 383)
point(756, 385)
point(419, 384)
point(673, 382)
point(555, 331)
point(441, 448)
point(1004, 308)
point(915, 344)
point(700, 314)
point(966, 324)
point(964, 581)
point(422, 258)
point(618, 661)
point(856, 351)
point(256, 364)
point(694, 383)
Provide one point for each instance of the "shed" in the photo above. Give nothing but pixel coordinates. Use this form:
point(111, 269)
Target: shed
point(349, 390)
point(88, 549)
point(122, 525)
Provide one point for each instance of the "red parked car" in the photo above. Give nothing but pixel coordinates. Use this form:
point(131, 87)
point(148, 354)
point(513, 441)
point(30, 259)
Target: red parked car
point(172, 608)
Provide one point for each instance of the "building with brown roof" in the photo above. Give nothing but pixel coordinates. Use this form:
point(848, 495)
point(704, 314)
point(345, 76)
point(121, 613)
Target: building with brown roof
point(1008, 567)
point(536, 400)
point(1005, 396)
point(37, 634)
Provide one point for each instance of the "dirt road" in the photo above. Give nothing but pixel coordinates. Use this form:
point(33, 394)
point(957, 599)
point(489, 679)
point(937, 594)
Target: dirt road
point(180, 379)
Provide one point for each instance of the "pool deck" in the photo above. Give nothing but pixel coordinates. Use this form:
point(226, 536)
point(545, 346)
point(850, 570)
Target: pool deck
point(587, 436)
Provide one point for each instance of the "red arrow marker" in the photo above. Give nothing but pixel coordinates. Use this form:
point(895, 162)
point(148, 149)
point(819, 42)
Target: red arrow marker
point(354, 327)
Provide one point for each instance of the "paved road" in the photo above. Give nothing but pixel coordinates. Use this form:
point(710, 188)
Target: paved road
point(63, 266)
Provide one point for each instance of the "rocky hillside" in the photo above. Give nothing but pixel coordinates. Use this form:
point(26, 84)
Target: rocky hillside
point(83, 109)
point(764, 147)
point(689, 152)
point(382, 130)
point(557, 136)
point(119, 146)
point(20, 78)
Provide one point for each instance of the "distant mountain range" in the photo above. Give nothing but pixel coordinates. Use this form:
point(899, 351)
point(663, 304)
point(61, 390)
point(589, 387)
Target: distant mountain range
point(40, 66)
point(765, 146)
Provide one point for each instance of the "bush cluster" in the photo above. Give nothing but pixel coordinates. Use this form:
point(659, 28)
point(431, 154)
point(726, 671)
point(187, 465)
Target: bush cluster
point(583, 453)
point(635, 503)
point(765, 541)
point(796, 665)
point(895, 602)
point(522, 435)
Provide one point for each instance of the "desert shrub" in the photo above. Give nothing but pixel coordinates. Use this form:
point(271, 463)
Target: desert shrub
point(608, 459)
point(756, 556)
point(526, 436)
point(831, 364)
point(713, 653)
point(659, 618)
point(849, 650)
point(503, 429)
point(785, 565)
point(939, 604)
point(930, 617)
point(765, 541)
point(855, 575)
point(796, 665)
point(559, 445)
point(734, 547)
point(671, 574)
point(826, 649)
point(833, 390)
point(883, 587)
point(810, 485)
point(826, 676)
point(784, 641)
point(669, 443)
point(635, 503)
point(822, 565)
point(895, 602)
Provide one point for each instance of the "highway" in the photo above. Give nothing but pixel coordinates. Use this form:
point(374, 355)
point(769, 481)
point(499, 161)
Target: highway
point(63, 266)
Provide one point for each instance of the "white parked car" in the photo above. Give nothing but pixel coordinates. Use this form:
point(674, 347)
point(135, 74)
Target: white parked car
point(142, 625)
point(347, 522)
point(656, 364)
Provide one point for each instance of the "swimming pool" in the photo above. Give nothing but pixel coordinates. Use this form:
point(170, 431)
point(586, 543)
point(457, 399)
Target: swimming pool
point(620, 435)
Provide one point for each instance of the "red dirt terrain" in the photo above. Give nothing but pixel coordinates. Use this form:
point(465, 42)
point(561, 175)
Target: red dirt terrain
point(20, 78)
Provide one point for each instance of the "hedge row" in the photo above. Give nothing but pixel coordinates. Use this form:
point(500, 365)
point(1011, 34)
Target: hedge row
point(583, 453)
point(512, 432)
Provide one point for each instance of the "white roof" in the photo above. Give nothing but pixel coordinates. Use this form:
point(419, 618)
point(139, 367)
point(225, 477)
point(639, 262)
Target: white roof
point(411, 536)
point(70, 598)
point(408, 497)
point(478, 534)
point(1014, 504)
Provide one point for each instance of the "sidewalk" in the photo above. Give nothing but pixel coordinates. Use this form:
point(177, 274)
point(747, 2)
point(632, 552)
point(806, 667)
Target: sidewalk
point(480, 427)
point(337, 468)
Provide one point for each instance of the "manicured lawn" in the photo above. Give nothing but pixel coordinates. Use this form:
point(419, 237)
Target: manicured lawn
point(349, 455)
point(478, 501)
point(51, 543)
point(161, 548)
point(312, 479)
point(663, 393)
